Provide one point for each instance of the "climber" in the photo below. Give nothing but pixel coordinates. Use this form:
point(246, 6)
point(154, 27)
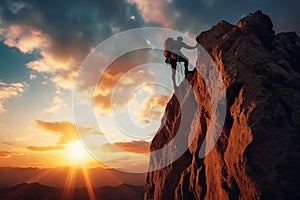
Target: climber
point(173, 54)
point(171, 57)
point(176, 47)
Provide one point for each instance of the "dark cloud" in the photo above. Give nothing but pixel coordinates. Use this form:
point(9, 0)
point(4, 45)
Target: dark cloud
point(74, 26)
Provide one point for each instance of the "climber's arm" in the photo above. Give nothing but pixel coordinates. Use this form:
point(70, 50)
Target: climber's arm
point(184, 45)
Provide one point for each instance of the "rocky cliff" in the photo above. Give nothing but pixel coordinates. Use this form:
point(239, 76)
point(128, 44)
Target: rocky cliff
point(258, 153)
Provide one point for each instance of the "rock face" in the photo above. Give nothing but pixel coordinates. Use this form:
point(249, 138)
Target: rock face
point(258, 153)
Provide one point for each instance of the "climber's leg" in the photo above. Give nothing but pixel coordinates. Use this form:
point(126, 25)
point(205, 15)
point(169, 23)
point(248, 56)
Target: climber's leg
point(184, 59)
point(173, 66)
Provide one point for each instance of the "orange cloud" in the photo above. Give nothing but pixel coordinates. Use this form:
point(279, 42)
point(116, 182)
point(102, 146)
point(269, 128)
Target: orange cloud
point(46, 148)
point(8, 90)
point(140, 146)
point(7, 143)
point(57, 104)
point(49, 63)
point(66, 130)
point(6, 154)
point(127, 85)
point(119, 77)
point(25, 38)
point(123, 72)
point(156, 11)
point(66, 80)
point(152, 108)
point(62, 67)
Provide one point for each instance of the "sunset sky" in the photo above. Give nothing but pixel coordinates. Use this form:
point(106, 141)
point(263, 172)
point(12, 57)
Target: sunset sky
point(42, 46)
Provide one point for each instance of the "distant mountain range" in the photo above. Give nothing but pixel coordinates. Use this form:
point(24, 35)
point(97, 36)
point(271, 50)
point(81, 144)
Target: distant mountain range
point(36, 191)
point(57, 177)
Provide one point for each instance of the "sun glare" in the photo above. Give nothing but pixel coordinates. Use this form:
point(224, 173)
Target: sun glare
point(77, 152)
point(79, 157)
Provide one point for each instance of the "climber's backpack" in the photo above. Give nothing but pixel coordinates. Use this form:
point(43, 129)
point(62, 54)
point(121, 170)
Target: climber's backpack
point(167, 47)
point(167, 55)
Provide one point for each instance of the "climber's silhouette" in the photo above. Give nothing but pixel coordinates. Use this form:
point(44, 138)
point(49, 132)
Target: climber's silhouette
point(173, 54)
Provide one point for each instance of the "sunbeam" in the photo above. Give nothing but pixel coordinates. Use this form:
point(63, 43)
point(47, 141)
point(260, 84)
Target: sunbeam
point(88, 184)
point(69, 184)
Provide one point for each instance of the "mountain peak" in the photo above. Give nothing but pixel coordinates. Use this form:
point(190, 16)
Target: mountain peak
point(259, 23)
point(254, 19)
point(256, 25)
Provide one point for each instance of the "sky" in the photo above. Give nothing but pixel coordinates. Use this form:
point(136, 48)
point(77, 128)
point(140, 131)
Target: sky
point(42, 47)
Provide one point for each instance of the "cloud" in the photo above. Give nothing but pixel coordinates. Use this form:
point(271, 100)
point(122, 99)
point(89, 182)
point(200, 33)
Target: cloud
point(57, 104)
point(51, 64)
point(124, 77)
point(7, 143)
point(15, 7)
point(44, 83)
point(6, 154)
point(156, 11)
point(103, 97)
point(186, 16)
point(195, 16)
point(140, 146)
point(32, 76)
point(46, 148)
point(66, 130)
point(65, 80)
point(152, 108)
point(125, 83)
point(63, 70)
point(62, 39)
point(66, 36)
point(29, 39)
point(9, 90)
point(25, 38)
point(134, 146)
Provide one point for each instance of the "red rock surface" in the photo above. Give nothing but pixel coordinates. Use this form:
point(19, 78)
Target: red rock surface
point(258, 153)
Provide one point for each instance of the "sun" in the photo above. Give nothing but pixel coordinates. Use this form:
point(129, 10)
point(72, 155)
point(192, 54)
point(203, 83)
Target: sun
point(77, 153)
